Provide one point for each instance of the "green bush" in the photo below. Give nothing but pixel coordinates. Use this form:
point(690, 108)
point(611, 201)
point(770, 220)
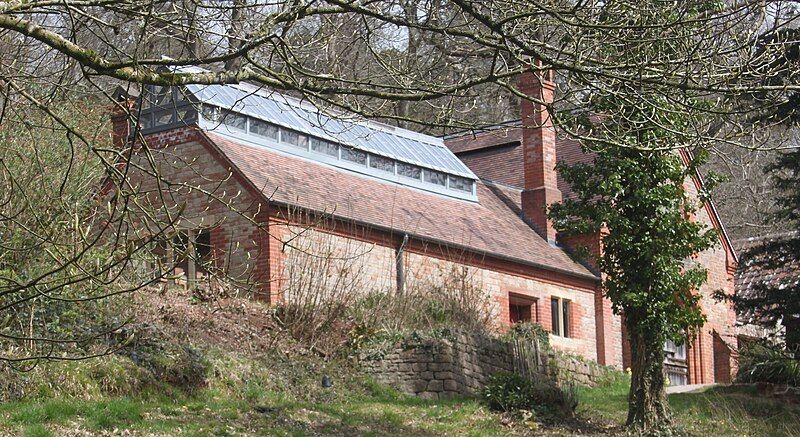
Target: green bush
point(530, 331)
point(509, 392)
point(766, 363)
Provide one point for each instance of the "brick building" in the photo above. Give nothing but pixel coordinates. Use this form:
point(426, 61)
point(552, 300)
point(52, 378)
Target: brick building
point(252, 171)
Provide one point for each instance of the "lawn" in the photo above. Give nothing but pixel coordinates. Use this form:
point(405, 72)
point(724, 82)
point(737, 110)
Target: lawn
point(382, 412)
point(284, 397)
point(273, 395)
point(719, 411)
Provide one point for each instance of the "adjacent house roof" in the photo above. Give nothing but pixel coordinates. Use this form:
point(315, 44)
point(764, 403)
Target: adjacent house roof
point(482, 148)
point(765, 263)
point(504, 139)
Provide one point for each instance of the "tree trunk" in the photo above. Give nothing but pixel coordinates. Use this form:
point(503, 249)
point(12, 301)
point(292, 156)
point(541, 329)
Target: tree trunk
point(235, 34)
point(648, 409)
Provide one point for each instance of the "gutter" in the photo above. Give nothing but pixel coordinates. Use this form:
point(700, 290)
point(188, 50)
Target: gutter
point(444, 243)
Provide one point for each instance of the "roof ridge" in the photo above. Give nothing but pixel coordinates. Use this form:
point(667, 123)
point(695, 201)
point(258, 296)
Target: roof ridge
point(517, 122)
point(501, 184)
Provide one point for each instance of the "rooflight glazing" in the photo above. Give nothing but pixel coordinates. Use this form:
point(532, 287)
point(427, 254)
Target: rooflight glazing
point(164, 108)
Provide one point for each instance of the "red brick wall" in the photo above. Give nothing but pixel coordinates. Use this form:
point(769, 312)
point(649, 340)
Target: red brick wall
point(199, 186)
point(712, 355)
point(426, 265)
point(540, 189)
point(258, 253)
point(713, 352)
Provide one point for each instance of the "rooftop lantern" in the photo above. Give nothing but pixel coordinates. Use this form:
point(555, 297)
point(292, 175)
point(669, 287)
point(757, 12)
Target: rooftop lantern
point(262, 118)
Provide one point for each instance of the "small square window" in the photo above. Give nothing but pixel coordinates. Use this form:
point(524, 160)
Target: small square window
point(163, 117)
point(185, 114)
point(180, 95)
point(460, 184)
point(519, 313)
point(144, 102)
point(146, 122)
point(294, 138)
point(560, 316)
point(675, 351)
point(234, 120)
point(324, 147)
point(409, 170)
point(521, 308)
point(264, 129)
point(162, 96)
point(211, 113)
point(354, 155)
point(435, 177)
point(381, 163)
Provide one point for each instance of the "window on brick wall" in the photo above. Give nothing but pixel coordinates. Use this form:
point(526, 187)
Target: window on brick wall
point(675, 365)
point(560, 316)
point(203, 252)
point(521, 309)
point(190, 255)
point(519, 312)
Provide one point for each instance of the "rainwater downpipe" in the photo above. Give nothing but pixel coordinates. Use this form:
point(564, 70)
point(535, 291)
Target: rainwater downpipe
point(400, 265)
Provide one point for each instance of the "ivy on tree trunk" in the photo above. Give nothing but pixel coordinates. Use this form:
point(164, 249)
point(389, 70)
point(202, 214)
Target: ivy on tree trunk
point(647, 398)
point(636, 195)
point(645, 150)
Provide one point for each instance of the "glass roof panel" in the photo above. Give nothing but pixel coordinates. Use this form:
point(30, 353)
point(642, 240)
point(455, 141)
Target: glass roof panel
point(400, 144)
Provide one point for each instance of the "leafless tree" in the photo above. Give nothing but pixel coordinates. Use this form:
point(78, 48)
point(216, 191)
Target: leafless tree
point(435, 65)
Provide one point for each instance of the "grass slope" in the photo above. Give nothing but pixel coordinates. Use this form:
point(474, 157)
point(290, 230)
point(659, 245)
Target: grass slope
point(222, 369)
point(719, 411)
point(269, 395)
point(275, 395)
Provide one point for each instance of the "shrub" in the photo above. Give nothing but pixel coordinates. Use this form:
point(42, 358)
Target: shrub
point(766, 363)
point(187, 369)
point(332, 303)
point(529, 331)
point(509, 392)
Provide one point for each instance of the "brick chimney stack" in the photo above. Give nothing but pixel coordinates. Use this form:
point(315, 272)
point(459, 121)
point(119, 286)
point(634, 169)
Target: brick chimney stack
point(539, 148)
point(120, 121)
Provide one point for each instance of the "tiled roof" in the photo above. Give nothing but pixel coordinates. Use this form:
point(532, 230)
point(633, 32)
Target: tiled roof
point(494, 153)
point(500, 140)
point(492, 226)
point(766, 262)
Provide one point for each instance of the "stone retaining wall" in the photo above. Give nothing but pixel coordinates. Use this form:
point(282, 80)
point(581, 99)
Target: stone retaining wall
point(575, 369)
point(462, 364)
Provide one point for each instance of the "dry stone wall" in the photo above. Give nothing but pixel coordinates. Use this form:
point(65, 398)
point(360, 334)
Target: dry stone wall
point(442, 368)
point(462, 364)
point(573, 368)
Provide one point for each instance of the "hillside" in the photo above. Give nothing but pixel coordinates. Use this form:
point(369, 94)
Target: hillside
point(220, 368)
